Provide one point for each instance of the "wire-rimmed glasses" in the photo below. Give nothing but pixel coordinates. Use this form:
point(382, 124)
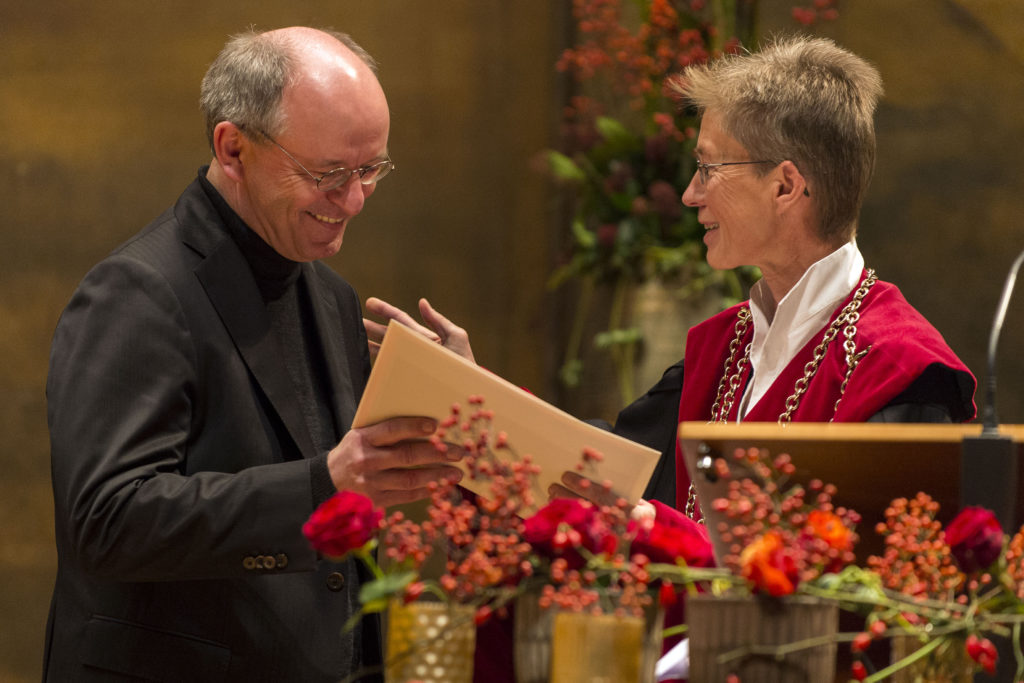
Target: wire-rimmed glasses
point(337, 177)
point(703, 169)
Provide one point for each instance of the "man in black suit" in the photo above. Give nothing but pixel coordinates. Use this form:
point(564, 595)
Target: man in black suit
point(202, 383)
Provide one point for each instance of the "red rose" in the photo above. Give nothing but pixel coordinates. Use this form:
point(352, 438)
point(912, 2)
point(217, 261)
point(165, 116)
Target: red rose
point(344, 522)
point(767, 565)
point(666, 543)
point(975, 539)
point(565, 524)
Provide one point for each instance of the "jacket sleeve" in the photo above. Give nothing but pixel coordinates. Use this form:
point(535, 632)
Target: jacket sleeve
point(136, 495)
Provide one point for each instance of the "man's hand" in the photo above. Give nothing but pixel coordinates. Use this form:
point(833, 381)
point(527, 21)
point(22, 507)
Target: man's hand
point(392, 461)
point(437, 329)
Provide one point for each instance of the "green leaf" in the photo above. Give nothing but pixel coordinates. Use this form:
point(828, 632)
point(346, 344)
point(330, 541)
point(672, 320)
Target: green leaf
point(564, 168)
point(613, 131)
point(604, 340)
point(570, 372)
point(584, 238)
point(373, 592)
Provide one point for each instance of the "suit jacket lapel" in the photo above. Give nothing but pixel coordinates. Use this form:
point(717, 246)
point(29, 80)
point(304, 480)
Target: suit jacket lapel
point(228, 282)
point(327, 320)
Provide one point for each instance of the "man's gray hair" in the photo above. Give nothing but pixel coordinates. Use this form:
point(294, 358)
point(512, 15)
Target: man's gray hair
point(802, 99)
point(245, 82)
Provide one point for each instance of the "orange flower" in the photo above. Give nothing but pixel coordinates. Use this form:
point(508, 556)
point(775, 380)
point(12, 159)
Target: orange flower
point(767, 565)
point(830, 528)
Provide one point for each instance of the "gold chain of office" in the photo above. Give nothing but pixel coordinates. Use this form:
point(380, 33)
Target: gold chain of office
point(727, 387)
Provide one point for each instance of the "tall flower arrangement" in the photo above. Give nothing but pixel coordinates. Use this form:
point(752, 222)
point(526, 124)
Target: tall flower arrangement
point(626, 156)
point(945, 589)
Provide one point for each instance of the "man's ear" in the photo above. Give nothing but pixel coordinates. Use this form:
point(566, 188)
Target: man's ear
point(792, 185)
point(228, 142)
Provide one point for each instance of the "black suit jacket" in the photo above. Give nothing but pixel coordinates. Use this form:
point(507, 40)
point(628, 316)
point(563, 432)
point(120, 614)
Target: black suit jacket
point(181, 467)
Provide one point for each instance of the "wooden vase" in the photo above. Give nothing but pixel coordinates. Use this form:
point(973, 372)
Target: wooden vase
point(731, 635)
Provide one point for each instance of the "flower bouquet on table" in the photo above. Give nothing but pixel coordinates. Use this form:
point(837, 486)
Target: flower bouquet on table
point(766, 615)
point(939, 594)
point(593, 599)
point(431, 622)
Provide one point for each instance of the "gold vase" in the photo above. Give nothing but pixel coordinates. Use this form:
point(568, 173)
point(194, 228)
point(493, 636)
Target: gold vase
point(535, 634)
point(596, 648)
point(430, 642)
point(947, 663)
point(732, 635)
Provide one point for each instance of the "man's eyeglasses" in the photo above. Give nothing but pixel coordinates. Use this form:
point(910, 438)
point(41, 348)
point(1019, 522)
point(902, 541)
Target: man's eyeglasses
point(704, 169)
point(337, 177)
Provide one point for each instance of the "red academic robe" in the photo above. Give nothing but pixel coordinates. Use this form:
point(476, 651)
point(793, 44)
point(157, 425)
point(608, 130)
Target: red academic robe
point(901, 345)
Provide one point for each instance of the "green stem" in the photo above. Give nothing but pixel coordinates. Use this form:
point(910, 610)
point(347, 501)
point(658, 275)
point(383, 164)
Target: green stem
point(779, 652)
point(915, 656)
point(623, 354)
point(1018, 655)
point(725, 17)
point(579, 321)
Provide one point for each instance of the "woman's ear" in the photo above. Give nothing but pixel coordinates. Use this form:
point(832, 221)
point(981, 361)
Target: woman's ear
point(228, 141)
point(792, 186)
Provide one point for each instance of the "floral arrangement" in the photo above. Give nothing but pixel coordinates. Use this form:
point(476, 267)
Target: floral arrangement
point(626, 155)
point(597, 559)
point(781, 535)
point(584, 553)
point(482, 538)
point(579, 556)
point(945, 589)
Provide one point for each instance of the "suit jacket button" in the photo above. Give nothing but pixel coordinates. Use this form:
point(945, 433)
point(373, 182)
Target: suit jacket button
point(282, 560)
point(249, 562)
point(269, 562)
point(335, 581)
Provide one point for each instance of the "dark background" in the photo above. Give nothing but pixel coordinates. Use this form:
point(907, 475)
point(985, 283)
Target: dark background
point(99, 132)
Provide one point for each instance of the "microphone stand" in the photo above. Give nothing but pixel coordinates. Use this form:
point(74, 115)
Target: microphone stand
point(988, 463)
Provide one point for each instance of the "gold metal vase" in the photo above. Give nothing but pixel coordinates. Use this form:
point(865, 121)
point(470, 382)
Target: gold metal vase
point(430, 642)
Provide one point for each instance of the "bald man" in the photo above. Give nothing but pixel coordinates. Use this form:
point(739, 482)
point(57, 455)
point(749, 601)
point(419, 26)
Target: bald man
point(202, 384)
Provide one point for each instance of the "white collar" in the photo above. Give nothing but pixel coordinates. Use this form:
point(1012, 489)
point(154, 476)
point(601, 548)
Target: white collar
point(802, 313)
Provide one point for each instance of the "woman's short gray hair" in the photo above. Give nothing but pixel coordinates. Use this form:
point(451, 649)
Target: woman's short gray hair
point(245, 82)
point(802, 99)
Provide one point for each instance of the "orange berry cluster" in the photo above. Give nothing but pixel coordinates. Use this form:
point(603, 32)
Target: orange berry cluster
point(772, 527)
point(483, 535)
point(917, 560)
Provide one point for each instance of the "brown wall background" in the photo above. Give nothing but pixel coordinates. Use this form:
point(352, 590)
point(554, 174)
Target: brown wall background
point(99, 132)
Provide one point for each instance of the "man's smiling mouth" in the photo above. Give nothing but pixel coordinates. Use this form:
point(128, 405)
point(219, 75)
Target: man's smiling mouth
point(326, 219)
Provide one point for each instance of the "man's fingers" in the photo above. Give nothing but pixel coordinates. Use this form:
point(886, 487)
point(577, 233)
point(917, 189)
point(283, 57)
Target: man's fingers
point(452, 336)
point(397, 429)
point(374, 330)
point(383, 309)
point(414, 479)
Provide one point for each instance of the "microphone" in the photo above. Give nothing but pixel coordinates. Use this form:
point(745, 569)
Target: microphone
point(988, 462)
